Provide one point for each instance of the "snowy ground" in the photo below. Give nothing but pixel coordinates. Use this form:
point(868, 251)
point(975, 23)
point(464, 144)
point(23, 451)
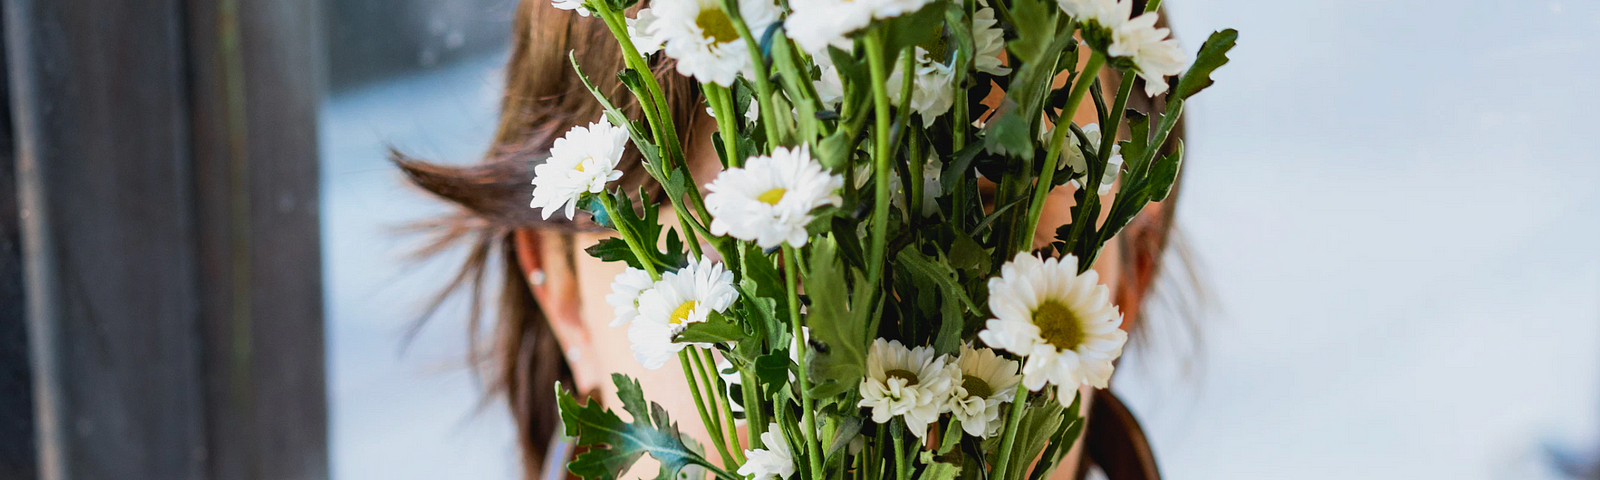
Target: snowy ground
point(1394, 206)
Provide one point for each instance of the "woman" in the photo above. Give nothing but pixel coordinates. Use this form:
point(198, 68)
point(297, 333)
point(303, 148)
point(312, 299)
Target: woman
point(553, 320)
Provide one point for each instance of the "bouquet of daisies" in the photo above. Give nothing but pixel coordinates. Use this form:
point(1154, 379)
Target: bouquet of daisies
point(859, 287)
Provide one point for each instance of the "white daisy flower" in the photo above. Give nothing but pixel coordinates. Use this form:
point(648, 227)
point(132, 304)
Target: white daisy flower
point(830, 88)
point(1154, 55)
point(773, 462)
point(680, 298)
point(1061, 323)
point(582, 161)
point(1080, 164)
point(932, 88)
point(908, 383)
point(987, 380)
point(574, 5)
point(816, 24)
point(989, 40)
point(702, 38)
point(883, 9)
point(624, 296)
point(1105, 14)
point(645, 43)
point(770, 199)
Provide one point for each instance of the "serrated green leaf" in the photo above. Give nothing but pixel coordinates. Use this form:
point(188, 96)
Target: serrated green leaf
point(1164, 173)
point(614, 249)
point(838, 332)
point(615, 445)
point(716, 329)
point(957, 170)
point(935, 470)
point(774, 368)
point(1008, 135)
point(952, 297)
point(1213, 55)
point(1039, 422)
point(1061, 442)
point(1035, 24)
point(912, 29)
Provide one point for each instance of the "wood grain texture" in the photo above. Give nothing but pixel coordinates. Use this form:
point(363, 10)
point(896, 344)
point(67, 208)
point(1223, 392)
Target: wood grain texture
point(167, 176)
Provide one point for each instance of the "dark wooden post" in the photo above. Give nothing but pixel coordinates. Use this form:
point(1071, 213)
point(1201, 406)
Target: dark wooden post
point(17, 452)
point(167, 175)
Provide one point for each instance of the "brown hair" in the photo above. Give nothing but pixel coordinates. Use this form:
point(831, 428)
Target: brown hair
point(544, 98)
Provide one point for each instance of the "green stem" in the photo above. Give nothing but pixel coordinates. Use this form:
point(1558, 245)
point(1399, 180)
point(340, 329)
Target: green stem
point(1009, 440)
point(880, 145)
point(647, 259)
point(1057, 140)
point(685, 359)
point(753, 413)
point(659, 116)
point(769, 119)
point(1152, 5)
point(917, 162)
point(799, 89)
point(908, 84)
point(719, 401)
point(902, 467)
point(808, 419)
point(727, 121)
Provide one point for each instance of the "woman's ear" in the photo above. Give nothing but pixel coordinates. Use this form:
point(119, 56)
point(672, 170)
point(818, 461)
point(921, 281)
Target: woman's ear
point(545, 258)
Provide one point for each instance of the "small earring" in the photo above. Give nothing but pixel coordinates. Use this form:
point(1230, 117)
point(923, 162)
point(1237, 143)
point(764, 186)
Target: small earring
point(574, 354)
point(536, 277)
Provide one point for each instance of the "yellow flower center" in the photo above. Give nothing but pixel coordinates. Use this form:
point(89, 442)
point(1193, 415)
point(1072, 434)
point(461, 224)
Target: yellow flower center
point(907, 375)
point(938, 47)
point(772, 197)
point(976, 387)
point(716, 25)
point(682, 313)
point(1058, 325)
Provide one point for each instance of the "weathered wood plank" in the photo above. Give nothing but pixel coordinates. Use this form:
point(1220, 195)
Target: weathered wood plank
point(99, 104)
point(257, 81)
point(168, 183)
point(17, 453)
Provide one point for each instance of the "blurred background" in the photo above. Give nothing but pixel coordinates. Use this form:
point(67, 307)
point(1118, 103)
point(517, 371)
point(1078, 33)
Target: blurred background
point(1391, 213)
point(1392, 208)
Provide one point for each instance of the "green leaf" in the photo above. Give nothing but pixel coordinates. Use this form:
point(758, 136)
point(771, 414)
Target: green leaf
point(952, 297)
point(957, 169)
point(615, 445)
point(909, 30)
point(846, 430)
point(839, 333)
point(716, 329)
point(1035, 24)
point(774, 368)
point(1133, 149)
point(614, 249)
point(1039, 423)
point(1213, 54)
point(936, 470)
point(675, 256)
point(969, 255)
point(1008, 135)
point(1061, 442)
point(1165, 173)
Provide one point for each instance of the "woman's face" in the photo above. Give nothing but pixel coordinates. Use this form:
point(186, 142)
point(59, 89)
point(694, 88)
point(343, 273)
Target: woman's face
point(575, 285)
